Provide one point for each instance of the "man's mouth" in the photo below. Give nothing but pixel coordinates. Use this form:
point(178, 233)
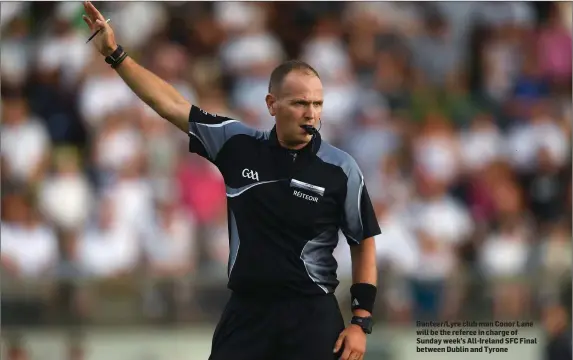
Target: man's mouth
point(309, 129)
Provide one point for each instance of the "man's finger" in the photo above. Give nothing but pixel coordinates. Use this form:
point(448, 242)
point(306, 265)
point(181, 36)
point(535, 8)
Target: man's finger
point(355, 356)
point(346, 354)
point(88, 21)
point(88, 11)
point(100, 24)
point(94, 13)
point(338, 343)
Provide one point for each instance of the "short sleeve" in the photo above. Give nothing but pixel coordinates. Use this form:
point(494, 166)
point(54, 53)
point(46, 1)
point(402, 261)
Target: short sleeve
point(208, 133)
point(360, 220)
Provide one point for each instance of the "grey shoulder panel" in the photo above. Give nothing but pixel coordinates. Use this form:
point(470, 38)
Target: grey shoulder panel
point(337, 157)
point(352, 226)
point(214, 136)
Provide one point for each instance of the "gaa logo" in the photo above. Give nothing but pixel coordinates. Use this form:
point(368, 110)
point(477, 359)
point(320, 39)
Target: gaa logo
point(250, 174)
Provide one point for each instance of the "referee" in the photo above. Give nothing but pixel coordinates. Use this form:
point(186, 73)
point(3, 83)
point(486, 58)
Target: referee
point(288, 195)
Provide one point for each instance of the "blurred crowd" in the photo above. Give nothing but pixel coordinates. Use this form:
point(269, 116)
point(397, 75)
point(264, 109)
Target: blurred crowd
point(458, 113)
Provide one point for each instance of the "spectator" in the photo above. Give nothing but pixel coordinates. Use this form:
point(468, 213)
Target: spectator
point(217, 245)
point(201, 190)
point(398, 253)
point(555, 264)
point(29, 245)
point(441, 225)
point(555, 48)
point(546, 189)
point(171, 255)
point(506, 253)
point(107, 248)
point(436, 44)
point(172, 251)
point(481, 145)
point(25, 142)
point(375, 138)
point(64, 48)
point(102, 94)
point(16, 54)
point(66, 195)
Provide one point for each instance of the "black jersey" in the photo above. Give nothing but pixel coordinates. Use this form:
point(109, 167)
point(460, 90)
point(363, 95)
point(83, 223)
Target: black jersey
point(285, 207)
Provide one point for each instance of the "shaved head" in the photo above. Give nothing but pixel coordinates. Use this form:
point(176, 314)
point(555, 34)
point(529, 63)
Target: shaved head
point(280, 73)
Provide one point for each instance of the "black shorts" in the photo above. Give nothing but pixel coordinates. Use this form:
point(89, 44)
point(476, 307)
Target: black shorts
point(301, 328)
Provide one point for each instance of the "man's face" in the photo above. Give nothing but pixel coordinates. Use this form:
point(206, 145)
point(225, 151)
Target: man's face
point(14, 208)
point(298, 102)
point(14, 111)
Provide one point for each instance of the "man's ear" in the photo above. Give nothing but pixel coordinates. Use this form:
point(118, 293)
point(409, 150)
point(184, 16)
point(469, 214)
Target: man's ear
point(271, 101)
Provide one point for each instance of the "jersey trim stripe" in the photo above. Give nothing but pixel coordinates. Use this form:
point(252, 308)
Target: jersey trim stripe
point(236, 192)
point(217, 124)
point(234, 243)
point(359, 207)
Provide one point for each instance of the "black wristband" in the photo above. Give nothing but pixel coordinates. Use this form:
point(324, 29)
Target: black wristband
point(116, 57)
point(363, 296)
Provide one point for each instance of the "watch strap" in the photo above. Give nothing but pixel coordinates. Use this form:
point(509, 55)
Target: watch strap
point(116, 57)
point(365, 323)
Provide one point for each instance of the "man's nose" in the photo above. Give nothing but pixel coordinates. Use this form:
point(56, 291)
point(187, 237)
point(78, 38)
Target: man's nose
point(310, 113)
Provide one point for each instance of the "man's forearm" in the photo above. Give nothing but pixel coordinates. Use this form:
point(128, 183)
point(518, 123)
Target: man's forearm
point(364, 267)
point(155, 92)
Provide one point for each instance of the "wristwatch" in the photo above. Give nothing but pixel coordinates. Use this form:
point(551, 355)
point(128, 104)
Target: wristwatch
point(116, 57)
point(365, 323)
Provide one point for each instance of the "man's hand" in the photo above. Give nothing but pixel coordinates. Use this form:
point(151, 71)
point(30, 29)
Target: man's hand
point(104, 41)
point(354, 340)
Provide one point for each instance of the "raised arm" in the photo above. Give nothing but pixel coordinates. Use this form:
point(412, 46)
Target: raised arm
point(154, 91)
